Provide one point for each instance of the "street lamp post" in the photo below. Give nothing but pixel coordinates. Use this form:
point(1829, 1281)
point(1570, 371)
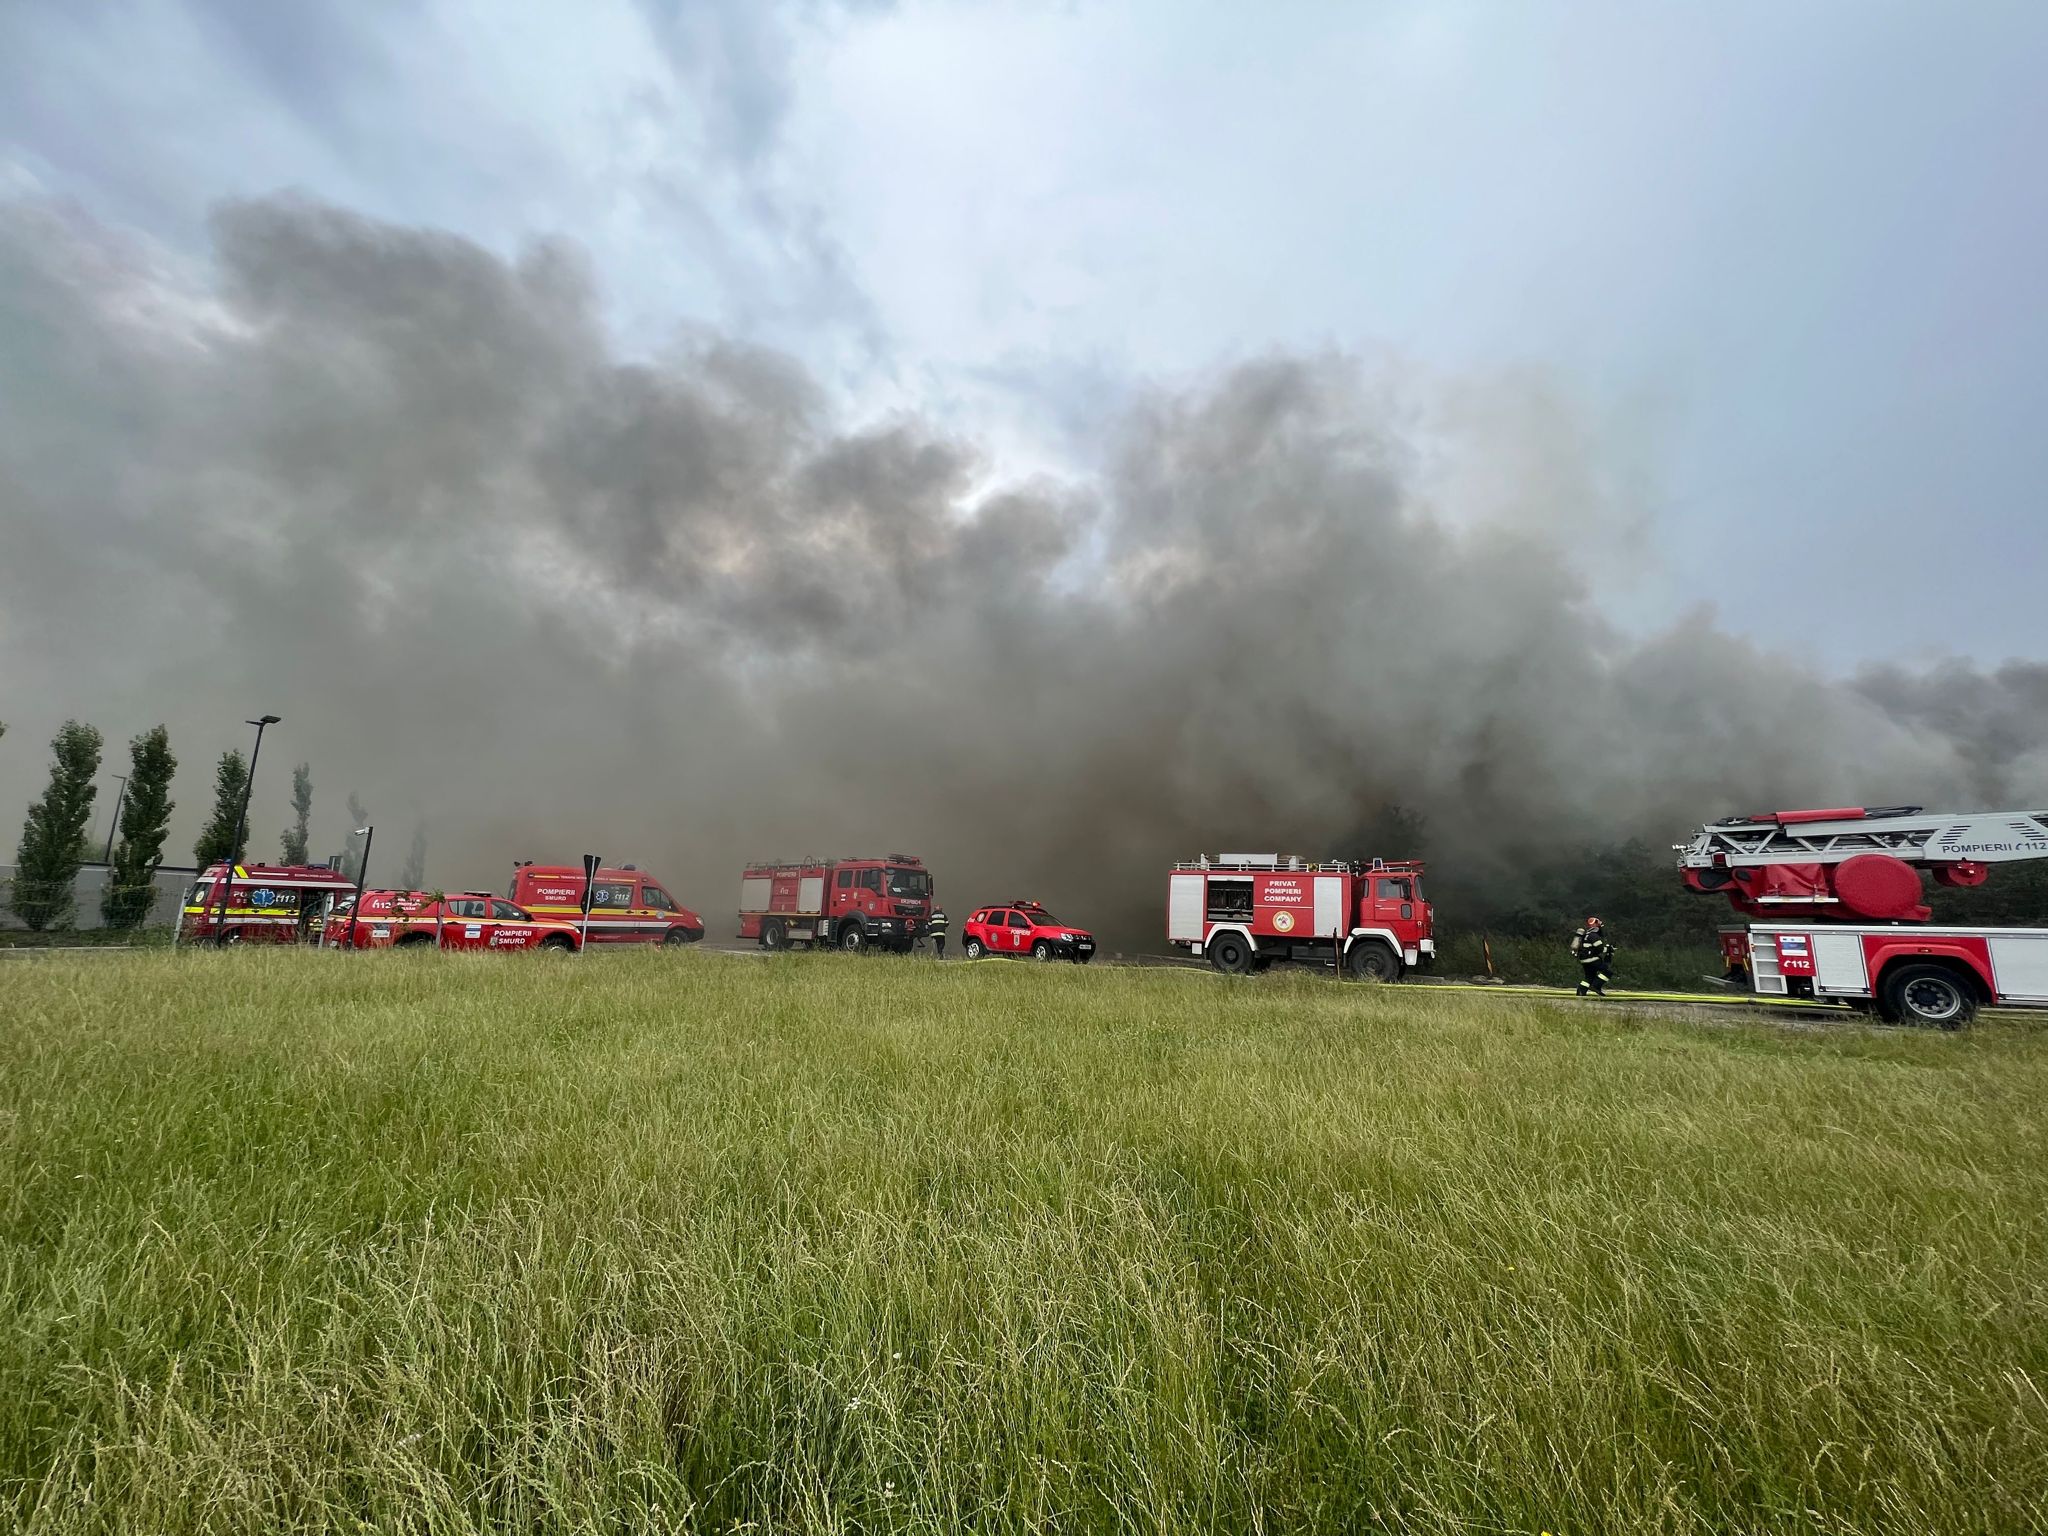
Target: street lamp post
point(220, 914)
point(120, 795)
point(355, 909)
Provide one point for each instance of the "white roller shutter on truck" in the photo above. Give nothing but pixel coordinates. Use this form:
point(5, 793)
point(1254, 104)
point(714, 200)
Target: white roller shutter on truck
point(1186, 906)
point(1329, 905)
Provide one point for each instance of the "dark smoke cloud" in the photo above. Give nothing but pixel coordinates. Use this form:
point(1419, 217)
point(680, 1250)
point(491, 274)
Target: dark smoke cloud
point(543, 599)
point(1999, 718)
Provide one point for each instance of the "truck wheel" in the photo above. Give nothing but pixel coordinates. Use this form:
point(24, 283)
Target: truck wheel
point(853, 938)
point(681, 936)
point(1373, 961)
point(972, 949)
point(1041, 950)
point(1230, 954)
point(414, 941)
point(558, 944)
point(774, 935)
point(1929, 997)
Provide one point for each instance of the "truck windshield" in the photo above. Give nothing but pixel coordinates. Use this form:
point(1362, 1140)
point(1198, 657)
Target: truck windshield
point(909, 882)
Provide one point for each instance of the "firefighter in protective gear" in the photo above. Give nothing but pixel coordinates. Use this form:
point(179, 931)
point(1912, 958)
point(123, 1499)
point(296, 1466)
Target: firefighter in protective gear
point(936, 926)
point(1595, 954)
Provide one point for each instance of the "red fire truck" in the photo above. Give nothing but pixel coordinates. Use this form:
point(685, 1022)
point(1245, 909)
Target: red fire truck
point(627, 906)
point(264, 904)
point(1842, 914)
point(1246, 910)
point(853, 903)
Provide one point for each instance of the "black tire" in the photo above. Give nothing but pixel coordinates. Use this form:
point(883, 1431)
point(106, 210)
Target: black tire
point(414, 941)
point(229, 938)
point(558, 943)
point(1230, 954)
point(1040, 950)
point(682, 936)
point(852, 938)
point(774, 935)
point(973, 949)
point(1929, 997)
point(1370, 960)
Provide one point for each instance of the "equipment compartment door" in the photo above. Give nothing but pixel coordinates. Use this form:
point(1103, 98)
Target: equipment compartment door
point(1838, 962)
point(1329, 905)
point(1184, 908)
point(2019, 965)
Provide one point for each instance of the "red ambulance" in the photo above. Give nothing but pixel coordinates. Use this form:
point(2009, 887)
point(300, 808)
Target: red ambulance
point(628, 905)
point(263, 904)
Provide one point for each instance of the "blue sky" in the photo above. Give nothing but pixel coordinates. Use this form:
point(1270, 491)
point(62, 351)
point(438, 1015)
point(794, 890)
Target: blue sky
point(1784, 264)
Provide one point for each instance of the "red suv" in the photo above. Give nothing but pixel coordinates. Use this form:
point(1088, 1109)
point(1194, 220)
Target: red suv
point(1025, 928)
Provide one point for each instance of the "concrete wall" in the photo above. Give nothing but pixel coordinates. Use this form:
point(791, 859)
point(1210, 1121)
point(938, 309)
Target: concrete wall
point(170, 886)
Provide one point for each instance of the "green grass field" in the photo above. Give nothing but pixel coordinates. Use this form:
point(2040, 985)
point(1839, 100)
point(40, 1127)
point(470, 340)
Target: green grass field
point(687, 1242)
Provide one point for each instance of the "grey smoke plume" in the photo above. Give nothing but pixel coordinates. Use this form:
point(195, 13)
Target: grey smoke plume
point(405, 494)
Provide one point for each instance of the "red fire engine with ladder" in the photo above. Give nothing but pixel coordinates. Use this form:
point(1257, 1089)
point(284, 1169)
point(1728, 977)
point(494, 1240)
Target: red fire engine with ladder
point(1841, 914)
point(1243, 911)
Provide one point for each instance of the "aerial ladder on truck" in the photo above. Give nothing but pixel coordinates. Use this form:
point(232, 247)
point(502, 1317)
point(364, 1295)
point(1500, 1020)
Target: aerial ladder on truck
point(1837, 910)
point(1855, 862)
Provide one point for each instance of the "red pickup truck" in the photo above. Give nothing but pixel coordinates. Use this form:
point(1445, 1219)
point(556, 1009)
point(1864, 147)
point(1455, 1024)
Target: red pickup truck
point(457, 920)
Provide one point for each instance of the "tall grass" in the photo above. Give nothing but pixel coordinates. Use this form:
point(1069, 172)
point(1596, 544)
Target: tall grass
point(659, 1241)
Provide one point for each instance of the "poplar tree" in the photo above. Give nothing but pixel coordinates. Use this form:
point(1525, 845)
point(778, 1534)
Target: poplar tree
point(297, 849)
point(52, 847)
point(217, 842)
point(414, 875)
point(145, 822)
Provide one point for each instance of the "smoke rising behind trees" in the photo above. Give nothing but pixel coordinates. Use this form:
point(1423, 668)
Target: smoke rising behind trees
point(408, 495)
